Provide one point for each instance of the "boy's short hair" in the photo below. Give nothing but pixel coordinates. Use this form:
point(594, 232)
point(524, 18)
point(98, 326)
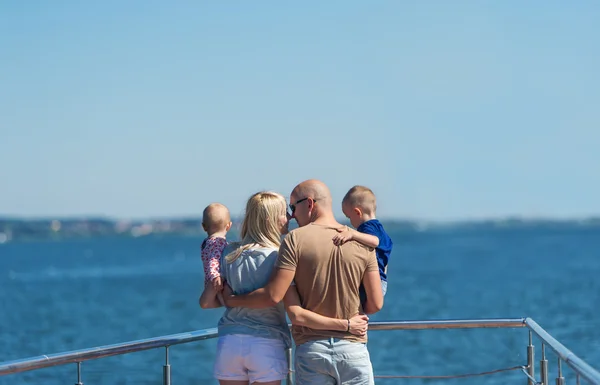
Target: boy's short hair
point(362, 197)
point(215, 217)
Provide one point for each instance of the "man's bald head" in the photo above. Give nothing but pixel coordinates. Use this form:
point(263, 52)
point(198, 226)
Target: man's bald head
point(215, 218)
point(311, 203)
point(314, 189)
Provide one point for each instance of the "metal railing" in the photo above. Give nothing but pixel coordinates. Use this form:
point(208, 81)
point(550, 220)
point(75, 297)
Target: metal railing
point(581, 368)
point(79, 356)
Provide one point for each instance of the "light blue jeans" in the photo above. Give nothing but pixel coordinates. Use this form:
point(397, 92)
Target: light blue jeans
point(333, 362)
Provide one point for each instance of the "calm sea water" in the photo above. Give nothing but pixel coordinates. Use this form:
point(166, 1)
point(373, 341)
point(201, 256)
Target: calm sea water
point(59, 296)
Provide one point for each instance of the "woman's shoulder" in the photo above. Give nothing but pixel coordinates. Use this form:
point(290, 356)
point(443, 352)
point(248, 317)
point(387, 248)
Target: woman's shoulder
point(250, 251)
point(256, 251)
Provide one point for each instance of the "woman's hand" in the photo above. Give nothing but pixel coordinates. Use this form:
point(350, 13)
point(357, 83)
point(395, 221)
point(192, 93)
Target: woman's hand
point(208, 299)
point(218, 284)
point(359, 324)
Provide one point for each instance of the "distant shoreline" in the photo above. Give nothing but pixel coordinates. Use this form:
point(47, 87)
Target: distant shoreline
point(22, 229)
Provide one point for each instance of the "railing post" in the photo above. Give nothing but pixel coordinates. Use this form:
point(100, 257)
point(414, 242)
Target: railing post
point(530, 360)
point(79, 374)
point(166, 368)
point(290, 379)
point(544, 366)
point(560, 380)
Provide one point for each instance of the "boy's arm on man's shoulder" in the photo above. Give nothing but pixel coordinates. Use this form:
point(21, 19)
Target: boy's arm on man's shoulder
point(372, 230)
point(366, 239)
point(346, 234)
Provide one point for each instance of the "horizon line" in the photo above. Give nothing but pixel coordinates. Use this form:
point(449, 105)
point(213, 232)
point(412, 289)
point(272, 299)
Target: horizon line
point(491, 218)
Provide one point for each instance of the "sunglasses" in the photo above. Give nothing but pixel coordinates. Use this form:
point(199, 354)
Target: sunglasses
point(293, 206)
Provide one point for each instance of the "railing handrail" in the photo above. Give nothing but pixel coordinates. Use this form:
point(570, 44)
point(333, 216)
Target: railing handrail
point(82, 355)
point(45, 361)
point(576, 363)
point(581, 367)
point(449, 324)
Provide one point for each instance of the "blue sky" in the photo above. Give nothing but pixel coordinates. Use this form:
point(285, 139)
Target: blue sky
point(446, 109)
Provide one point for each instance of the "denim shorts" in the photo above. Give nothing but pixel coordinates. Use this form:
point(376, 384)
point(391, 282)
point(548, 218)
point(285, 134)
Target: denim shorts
point(333, 361)
point(242, 357)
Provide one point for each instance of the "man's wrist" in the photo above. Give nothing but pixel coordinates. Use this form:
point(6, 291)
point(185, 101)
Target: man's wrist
point(347, 330)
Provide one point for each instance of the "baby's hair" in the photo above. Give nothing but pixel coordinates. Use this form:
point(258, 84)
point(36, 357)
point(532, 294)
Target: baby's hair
point(362, 197)
point(215, 217)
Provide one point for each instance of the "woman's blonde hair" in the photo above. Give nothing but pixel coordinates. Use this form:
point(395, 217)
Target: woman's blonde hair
point(261, 223)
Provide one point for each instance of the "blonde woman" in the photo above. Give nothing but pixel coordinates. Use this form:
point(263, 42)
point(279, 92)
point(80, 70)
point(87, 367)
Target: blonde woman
point(252, 342)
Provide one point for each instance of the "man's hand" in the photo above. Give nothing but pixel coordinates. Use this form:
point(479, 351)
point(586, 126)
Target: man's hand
point(227, 294)
point(359, 324)
point(218, 284)
point(344, 235)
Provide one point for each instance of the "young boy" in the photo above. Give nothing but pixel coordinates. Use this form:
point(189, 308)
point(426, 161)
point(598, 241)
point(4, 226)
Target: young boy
point(216, 222)
point(359, 206)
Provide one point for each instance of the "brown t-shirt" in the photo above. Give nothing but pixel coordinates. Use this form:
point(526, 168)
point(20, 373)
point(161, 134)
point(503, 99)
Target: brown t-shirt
point(327, 276)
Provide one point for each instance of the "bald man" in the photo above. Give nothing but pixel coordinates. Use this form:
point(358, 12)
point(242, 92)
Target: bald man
point(326, 280)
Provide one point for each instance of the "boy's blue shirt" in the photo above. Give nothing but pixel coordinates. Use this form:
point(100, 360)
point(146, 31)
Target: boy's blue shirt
point(383, 251)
